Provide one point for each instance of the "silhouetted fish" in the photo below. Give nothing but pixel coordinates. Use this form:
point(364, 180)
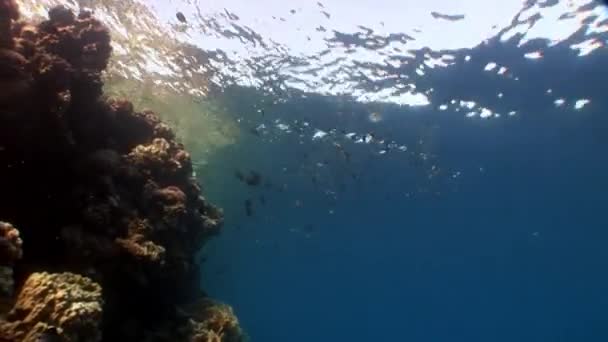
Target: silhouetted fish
point(255, 132)
point(449, 17)
point(181, 17)
point(239, 175)
point(253, 178)
point(248, 207)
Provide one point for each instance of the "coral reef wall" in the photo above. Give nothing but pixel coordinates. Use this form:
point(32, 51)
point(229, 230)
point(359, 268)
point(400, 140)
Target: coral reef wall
point(101, 215)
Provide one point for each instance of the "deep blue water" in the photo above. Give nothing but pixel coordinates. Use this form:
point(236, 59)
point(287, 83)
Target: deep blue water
point(511, 248)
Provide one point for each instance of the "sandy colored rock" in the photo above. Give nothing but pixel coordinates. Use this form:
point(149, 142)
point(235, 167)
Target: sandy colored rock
point(67, 304)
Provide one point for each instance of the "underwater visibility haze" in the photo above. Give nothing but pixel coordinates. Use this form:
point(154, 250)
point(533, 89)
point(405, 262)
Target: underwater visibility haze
point(386, 170)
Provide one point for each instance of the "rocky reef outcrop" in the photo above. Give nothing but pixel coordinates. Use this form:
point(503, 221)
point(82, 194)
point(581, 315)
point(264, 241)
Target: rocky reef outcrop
point(108, 214)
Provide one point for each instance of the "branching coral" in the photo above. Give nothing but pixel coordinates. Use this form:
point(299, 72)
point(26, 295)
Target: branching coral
point(97, 189)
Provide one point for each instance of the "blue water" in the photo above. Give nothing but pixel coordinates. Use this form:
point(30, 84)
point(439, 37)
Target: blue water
point(506, 242)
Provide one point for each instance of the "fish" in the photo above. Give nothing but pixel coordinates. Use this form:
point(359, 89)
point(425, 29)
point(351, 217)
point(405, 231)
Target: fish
point(181, 17)
point(252, 179)
point(239, 175)
point(255, 132)
point(449, 17)
point(249, 207)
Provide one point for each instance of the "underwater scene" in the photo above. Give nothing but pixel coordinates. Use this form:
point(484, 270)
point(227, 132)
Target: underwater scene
point(295, 171)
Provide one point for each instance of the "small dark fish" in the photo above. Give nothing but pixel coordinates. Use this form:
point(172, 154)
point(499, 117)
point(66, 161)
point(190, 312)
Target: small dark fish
point(255, 132)
point(293, 11)
point(454, 17)
point(326, 14)
point(253, 179)
point(239, 175)
point(347, 156)
point(181, 17)
point(262, 199)
point(320, 4)
point(248, 207)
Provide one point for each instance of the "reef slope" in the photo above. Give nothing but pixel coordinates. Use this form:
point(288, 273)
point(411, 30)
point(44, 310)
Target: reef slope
point(101, 217)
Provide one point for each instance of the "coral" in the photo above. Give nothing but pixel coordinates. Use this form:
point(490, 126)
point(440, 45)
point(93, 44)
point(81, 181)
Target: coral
point(97, 188)
point(213, 322)
point(10, 244)
point(69, 304)
point(10, 252)
point(208, 321)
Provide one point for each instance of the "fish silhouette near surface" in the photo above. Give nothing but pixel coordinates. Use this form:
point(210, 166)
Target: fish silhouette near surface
point(181, 17)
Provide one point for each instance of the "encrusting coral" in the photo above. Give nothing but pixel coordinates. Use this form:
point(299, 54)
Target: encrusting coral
point(103, 196)
point(65, 303)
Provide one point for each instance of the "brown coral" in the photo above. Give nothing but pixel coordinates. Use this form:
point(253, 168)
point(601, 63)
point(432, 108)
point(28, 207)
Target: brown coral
point(66, 303)
point(10, 244)
point(10, 252)
point(208, 321)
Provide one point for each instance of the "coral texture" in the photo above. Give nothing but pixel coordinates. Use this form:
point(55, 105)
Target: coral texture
point(10, 252)
point(68, 305)
point(96, 188)
point(208, 321)
point(10, 244)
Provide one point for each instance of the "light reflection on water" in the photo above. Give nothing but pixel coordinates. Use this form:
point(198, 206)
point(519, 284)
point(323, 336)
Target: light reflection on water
point(371, 51)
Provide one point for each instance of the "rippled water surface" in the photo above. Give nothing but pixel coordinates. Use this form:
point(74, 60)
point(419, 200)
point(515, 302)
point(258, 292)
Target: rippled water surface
point(389, 170)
